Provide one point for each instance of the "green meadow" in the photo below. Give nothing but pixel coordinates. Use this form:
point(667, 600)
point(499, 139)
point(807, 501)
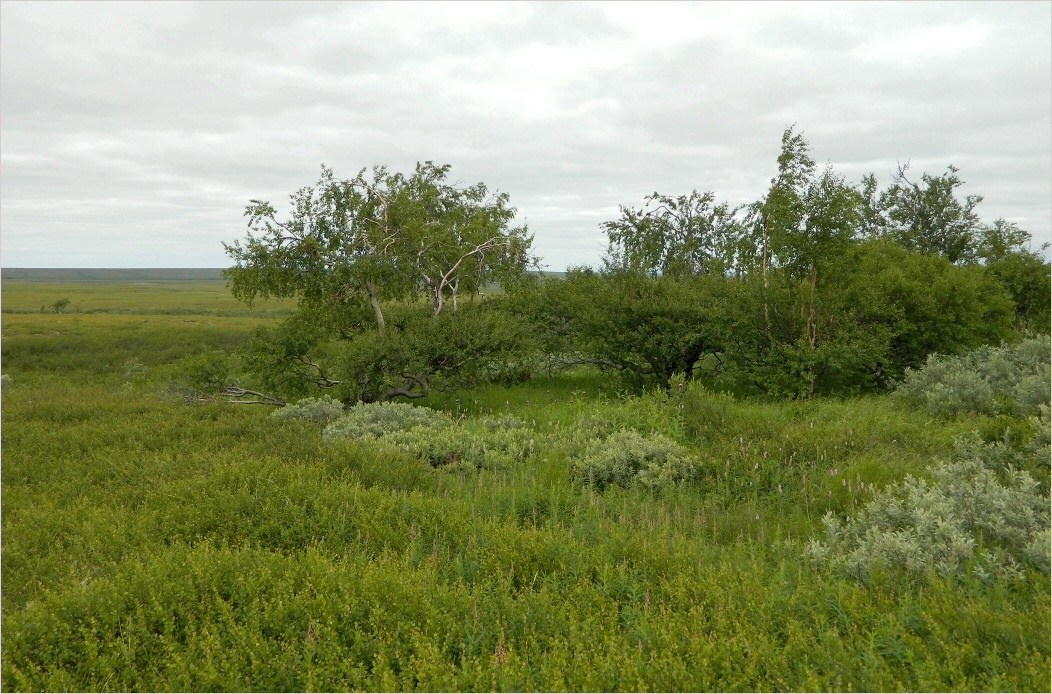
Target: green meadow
point(154, 541)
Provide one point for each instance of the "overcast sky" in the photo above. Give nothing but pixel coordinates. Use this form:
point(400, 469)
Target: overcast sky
point(134, 134)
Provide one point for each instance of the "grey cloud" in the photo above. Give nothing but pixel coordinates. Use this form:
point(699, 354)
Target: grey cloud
point(159, 122)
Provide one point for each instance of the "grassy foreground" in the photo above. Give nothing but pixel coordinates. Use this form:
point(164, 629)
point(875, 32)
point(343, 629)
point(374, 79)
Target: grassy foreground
point(151, 544)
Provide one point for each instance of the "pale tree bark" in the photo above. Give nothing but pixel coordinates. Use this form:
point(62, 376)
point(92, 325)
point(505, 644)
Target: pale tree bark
point(377, 311)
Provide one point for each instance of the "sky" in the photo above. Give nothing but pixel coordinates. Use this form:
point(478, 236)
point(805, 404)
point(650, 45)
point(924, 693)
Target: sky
point(134, 134)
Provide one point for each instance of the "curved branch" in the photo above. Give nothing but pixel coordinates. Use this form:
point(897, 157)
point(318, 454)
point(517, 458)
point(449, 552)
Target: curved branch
point(234, 392)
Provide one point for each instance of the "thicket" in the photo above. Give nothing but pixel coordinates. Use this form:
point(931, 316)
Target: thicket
point(323, 409)
point(821, 287)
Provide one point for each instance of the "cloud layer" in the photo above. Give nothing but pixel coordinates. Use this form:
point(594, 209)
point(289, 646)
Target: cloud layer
point(133, 135)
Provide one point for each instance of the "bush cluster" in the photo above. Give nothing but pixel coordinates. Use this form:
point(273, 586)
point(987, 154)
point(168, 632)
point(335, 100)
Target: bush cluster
point(972, 513)
point(627, 458)
point(323, 409)
point(462, 449)
point(434, 437)
point(990, 380)
point(374, 420)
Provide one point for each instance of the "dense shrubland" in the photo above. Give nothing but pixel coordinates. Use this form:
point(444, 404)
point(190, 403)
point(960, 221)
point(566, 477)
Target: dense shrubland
point(152, 544)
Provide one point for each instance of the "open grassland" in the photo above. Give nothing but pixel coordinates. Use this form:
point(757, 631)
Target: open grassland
point(153, 297)
point(154, 544)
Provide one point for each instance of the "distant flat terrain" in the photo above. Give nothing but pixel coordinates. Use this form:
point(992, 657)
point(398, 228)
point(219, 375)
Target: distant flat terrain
point(156, 274)
point(150, 274)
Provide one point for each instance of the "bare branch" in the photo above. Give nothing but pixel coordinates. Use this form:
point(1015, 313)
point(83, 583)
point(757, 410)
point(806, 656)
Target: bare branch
point(233, 392)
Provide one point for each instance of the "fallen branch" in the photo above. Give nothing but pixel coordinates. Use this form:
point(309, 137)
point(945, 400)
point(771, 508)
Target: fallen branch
point(234, 392)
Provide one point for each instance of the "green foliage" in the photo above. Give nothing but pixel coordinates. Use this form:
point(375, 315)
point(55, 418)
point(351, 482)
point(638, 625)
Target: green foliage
point(626, 458)
point(680, 236)
point(420, 352)
point(206, 373)
point(5, 381)
point(380, 238)
point(417, 352)
point(321, 409)
point(922, 304)
point(1002, 239)
point(60, 306)
point(990, 380)
point(1028, 279)
point(968, 517)
point(460, 448)
point(206, 547)
point(153, 543)
point(379, 419)
point(644, 328)
point(929, 218)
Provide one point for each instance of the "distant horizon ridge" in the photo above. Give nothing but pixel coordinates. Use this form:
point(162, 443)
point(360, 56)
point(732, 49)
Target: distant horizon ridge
point(145, 274)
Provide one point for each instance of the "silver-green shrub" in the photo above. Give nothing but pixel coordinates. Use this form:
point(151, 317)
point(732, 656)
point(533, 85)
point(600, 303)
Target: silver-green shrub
point(464, 449)
point(626, 458)
point(990, 380)
point(973, 512)
point(323, 409)
point(441, 446)
point(5, 381)
point(378, 419)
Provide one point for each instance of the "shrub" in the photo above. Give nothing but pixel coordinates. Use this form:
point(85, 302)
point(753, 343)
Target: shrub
point(378, 419)
point(626, 458)
point(441, 446)
point(463, 448)
point(990, 380)
point(503, 422)
point(5, 381)
point(323, 409)
point(970, 513)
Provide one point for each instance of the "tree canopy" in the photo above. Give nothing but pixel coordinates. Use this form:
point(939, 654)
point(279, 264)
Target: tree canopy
point(820, 286)
point(379, 238)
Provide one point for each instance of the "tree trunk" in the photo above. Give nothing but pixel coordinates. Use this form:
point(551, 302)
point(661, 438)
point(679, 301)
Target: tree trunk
point(811, 331)
point(439, 300)
point(375, 301)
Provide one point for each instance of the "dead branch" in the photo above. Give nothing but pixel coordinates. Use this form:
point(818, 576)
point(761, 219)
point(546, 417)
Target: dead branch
point(234, 392)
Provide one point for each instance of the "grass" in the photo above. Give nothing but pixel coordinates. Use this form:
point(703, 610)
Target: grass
point(151, 544)
point(183, 298)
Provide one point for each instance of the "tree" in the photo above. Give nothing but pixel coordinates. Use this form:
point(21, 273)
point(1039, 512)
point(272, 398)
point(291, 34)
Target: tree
point(929, 218)
point(922, 303)
point(799, 229)
point(388, 237)
point(676, 237)
point(351, 248)
point(1001, 239)
point(1026, 276)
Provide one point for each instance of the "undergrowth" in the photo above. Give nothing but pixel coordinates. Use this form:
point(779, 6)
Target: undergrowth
point(150, 543)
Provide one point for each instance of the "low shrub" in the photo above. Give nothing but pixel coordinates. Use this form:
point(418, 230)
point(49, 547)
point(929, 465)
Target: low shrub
point(626, 458)
point(464, 449)
point(977, 511)
point(378, 419)
point(323, 409)
point(990, 380)
point(441, 446)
